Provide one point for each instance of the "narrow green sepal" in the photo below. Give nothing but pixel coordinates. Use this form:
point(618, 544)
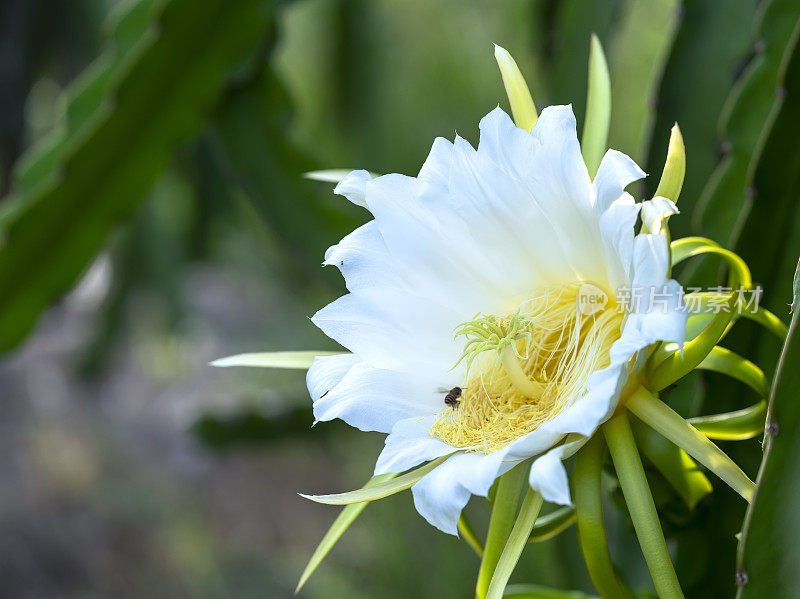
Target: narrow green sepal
point(331, 175)
point(587, 493)
point(598, 109)
point(738, 425)
point(663, 419)
point(297, 360)
point(673, 463)
point(379, 490)
point(552, 524)
point(726, 362)
point(343, 521)
point(671, 181)
point(519, 96)
point(468, 534)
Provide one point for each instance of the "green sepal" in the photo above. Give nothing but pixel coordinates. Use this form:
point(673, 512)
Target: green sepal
point(298, 360)
point(552, 524)
point(663, 419)
point(343, 521)
point(331, 175)
point(379, 490)
point(468, 534)
point(725, 361)
point(671, 182)
point(738, 425)
point(688, 247)
point(673, 463)
point(598, 109)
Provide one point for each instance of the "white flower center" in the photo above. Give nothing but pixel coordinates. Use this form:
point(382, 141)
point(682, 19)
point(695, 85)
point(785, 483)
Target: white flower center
point(524, 368)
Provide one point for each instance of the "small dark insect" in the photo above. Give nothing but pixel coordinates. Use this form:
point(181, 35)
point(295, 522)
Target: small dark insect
point(451, 399)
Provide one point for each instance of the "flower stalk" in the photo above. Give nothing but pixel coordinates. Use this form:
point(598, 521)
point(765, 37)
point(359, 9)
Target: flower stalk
point(501, 522)
point(517, 540)
point(562, 351)
point(588, 498)
point(642, 510)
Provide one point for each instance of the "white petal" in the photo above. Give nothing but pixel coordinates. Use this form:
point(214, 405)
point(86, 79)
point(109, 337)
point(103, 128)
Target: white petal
point(353, 187)
point(548, 476)
point(650, 260)
point(655, 213)
point(616, 226)
point(409, 444)
point(439, 497)
point(505, 224)
point(663, 321)
point(326, 372)
point(431, 239)
point(373, 399)
point(561, 152)
point(393, 331)
point(660, 313)
point(364, 260)
point(616, 172)
point(560, 185)
point(511, 148)
point(435, 172)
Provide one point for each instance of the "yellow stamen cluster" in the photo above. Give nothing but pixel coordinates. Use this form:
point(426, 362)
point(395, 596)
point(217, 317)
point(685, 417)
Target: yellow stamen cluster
point(525, 368)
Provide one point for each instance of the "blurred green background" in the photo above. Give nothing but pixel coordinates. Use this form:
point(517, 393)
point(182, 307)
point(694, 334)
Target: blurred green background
point(155, 218)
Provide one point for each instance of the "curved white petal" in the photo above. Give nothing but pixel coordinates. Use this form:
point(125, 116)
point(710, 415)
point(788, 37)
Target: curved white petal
point(353, 187)
point(409, 444)
point(326, 372)
point(389, 331)
point(373, 399)
point(435, 172)
point(364, 260)
point(615, 173)
point(661, 313)
point(560, 183)
point(650, 260)
point(511, 148)
point(434, 244)
point(616, 227)
point(548, 475)
point(656, 212)
point(439, 497)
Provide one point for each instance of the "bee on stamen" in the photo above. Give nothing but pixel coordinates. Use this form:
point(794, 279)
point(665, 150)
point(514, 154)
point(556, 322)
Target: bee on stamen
point(451, 399)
